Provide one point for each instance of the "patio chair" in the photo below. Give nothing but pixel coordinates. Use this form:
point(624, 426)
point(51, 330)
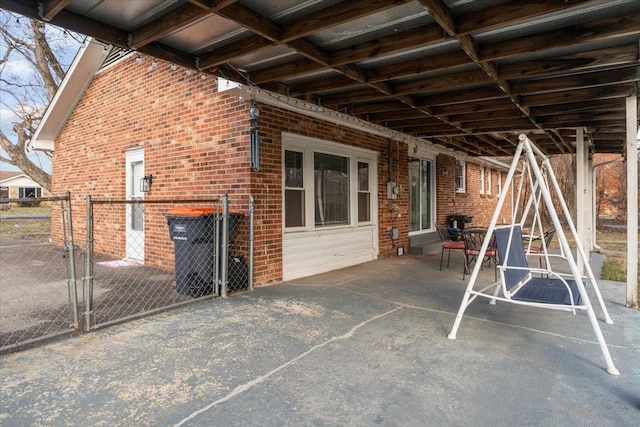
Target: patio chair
point(472, 243)
point(448, 244)
point(541, 246)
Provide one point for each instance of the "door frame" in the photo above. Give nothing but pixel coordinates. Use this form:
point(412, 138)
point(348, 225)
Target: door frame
point(420, 156)
point(134, 238)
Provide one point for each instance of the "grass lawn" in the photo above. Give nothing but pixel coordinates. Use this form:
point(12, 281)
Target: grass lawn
point(614, 247)
point(18, 210)
point(26, 228)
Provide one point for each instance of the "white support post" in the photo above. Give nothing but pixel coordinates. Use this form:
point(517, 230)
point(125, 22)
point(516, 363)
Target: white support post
point(583, 199)
point(632, 201)
point(591, 187)
point(594, 208)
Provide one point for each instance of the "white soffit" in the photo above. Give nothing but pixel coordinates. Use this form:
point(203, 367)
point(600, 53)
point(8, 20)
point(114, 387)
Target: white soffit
point(87, 62)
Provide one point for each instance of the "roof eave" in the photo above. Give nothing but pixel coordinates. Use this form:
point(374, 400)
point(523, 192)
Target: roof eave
point(86, 63)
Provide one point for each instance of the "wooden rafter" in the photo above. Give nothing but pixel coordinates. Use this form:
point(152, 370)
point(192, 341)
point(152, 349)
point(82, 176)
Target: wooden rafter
point(463, 74)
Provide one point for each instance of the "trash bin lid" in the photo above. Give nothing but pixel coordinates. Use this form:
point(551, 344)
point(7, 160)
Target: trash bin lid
point(198, 211)
point(191, 210)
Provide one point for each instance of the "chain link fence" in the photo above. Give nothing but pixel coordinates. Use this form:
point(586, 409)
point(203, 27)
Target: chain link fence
point(140, 257)
point(171, 253)
point(38, 298)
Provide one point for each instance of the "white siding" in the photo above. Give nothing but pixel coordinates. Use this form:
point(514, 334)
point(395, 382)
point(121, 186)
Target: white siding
point(309, 253)
point(312, 249)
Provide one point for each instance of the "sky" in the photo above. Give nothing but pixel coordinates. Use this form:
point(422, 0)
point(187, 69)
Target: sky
point(19, 70)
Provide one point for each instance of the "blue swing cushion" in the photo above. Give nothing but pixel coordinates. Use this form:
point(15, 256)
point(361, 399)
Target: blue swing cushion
point(534, 289)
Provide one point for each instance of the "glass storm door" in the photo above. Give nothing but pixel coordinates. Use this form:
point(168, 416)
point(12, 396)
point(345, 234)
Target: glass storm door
point(420, 194)
point(135, 212)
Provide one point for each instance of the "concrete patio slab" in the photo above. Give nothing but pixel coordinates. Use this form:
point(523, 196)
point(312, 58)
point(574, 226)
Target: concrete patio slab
point(364, 345)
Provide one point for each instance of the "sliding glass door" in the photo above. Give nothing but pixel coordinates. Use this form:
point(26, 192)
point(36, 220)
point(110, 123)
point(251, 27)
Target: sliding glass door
point(421, 194)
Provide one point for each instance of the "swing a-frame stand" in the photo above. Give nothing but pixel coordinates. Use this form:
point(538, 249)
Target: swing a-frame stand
point(538, 287)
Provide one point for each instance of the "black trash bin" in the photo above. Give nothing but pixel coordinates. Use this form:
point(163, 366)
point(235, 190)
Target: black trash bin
point(459, 221)
point(192, 229)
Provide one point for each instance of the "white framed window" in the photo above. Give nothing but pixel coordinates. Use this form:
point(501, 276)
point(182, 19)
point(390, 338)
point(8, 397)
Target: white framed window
point(364, 192)
point(24, 192)
point(327, 184)
point(485, 180)
point(499, 177)
point(461, 178)
point(294, 190)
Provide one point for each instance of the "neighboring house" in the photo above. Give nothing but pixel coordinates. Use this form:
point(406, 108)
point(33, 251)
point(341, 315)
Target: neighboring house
point(330, 191)
point(15, 185)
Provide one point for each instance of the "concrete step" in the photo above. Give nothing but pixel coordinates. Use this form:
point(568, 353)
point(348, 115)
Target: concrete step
point(425, 248)
point(424, 244)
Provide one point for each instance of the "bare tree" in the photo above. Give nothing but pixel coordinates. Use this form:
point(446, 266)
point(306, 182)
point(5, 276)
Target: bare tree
point(32, 67)
point(564, 168)
point(611, 187)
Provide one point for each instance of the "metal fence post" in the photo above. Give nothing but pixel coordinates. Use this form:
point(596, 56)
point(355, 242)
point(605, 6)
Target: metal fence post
point(251, 209)
point(217, 279)
point(71, 254)
point(224, 245)
point(87, 279)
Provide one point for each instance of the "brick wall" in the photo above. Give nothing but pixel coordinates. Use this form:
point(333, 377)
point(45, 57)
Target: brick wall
point(196, 145)
point(471, 202)
point(193, 140)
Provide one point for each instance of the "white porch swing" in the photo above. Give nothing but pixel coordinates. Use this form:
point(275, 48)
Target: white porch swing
point(517, 284)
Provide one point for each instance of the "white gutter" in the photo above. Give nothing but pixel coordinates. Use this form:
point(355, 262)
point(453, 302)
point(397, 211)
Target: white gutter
point(325, 114)
point(316, 111)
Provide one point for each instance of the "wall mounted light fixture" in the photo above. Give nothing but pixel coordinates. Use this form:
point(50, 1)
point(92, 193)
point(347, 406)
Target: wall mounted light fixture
point(145, 183)
point(254, 116)
point(444, 171)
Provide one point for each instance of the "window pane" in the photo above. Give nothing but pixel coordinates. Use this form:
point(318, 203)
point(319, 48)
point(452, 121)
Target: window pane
point(460, 184)
point(294, 208)
point(364, 203)
point(293, 169)
point(331, 189)
point(364, 197)
point(363, 176)
point(137, 217)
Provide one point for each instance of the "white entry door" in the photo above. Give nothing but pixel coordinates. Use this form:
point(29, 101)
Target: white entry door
point(135, 212)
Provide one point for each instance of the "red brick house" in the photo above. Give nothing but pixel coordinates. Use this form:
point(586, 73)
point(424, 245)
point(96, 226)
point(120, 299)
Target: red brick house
point(330, 191)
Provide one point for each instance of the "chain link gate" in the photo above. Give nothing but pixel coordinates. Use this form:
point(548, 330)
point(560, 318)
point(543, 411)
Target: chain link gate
point(38, 293)
point(172, 253)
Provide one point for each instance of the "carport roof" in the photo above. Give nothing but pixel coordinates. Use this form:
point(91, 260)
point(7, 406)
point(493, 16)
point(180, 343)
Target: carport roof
point(466, 74)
